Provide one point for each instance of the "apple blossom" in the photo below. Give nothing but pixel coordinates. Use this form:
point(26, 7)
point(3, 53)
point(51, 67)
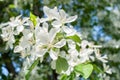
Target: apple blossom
point(65, 46)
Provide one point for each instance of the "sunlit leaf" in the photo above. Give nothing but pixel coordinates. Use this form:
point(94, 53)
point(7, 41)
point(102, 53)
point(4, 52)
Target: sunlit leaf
point(84, 69)
point(75, 38)
point(61, 65)
point(97, 69)
point(33, 18)
point(11, 6)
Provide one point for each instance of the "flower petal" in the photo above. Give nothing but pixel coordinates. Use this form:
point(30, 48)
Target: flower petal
point(18, 49)
point(60, 43)
point(71, 44)
point(63, 14)
point(46, 10)
point(69, 31)
point(43, 36)
point(71, 19)
point(56, 24)
point(53, 54)
point(20, 28)
point(50, 13)
point(45, 26)
point(53, 64)
point(43, 20)
point(40, 52)
point(53, 33)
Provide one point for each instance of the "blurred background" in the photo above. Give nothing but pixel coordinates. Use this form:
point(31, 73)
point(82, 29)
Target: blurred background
point(98, 21)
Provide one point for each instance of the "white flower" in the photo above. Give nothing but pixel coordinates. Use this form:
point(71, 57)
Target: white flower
point(100, 57)
point(7, 32)
point(8, 35)
point(107, 69)
point(54, 38)
point(50, 13)
point(18, 24)
point(26, 42)
point(45, 41)
point(85, 54)
point(73, 57)
point(63, 18)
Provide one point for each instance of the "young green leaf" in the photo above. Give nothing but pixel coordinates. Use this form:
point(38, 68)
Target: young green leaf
point(11, 6)
point(31, 68)
point(33, 18)
point(63, 77)
point(75, 38)
point(70, 77)
point(61, 65)
point(84, 69)
point(97, 69)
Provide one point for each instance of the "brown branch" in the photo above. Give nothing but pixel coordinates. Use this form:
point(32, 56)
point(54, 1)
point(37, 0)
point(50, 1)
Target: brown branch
point(55, 75)
point(36, 8)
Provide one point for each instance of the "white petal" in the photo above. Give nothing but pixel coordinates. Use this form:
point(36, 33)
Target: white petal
point(56, 14)
point(50, 13)
point(45, 26)
point(29, 36)
point(56, 24)
point(69, 31)
point(84, 44)
point(63, 54)
point(25, 19)
point(71, 19)
point(53, 54)
point(53, 64)
point(46, 10)
point(43, 36)
point(20, 28)
point(18, 49)
point(53, 33)
point(63, 14)
point(71, 44)
point(43, 20)
point(40, 52)
point(107, 68)
point(60, 43)
point(73, 53)
point(103, 60)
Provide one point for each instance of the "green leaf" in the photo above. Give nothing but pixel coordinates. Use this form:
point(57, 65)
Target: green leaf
point(75, 38)
point(31, 68)
point(84, 69)
point(33, 18)
point(61, 65)
point(63, 77)
point(97, 69)
point(11, 6)
point(77, 47)
point(70, 77)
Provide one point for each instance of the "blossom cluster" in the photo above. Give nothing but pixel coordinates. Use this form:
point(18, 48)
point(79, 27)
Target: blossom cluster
point(53, 35)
